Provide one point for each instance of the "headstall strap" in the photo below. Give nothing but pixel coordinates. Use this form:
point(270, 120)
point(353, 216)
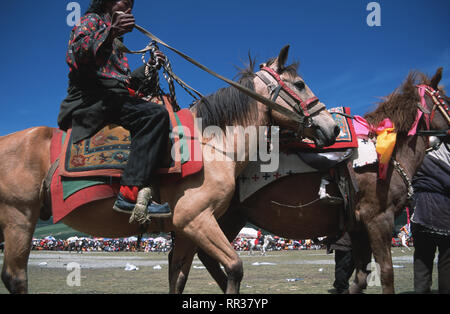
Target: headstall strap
point(293, 98)
point(438, 101)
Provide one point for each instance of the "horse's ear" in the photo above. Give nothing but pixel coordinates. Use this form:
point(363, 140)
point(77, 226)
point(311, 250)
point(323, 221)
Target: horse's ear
point(282, 58)
point(436, 78)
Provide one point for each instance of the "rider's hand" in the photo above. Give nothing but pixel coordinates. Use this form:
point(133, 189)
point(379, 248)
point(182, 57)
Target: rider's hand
point(122, 23)
point(159, 58)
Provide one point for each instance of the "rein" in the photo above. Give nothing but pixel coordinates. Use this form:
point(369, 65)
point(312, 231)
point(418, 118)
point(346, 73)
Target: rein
point(293, 115)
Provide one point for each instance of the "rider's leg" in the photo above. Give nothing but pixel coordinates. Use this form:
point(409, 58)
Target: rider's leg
point(148, 124)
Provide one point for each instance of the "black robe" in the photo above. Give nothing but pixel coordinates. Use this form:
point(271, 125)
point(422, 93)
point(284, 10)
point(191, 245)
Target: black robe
point(432, 195)
point(99, 78)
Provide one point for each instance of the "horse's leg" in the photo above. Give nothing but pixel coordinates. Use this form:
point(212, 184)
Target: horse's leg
point(214, 270)
point(218, 247)
point(180, 261)
point(17, 236)
point(205, 232)
point(361, 254)
point(230, 223)
point(195, 214)
point(25, 162)
point(380, 234)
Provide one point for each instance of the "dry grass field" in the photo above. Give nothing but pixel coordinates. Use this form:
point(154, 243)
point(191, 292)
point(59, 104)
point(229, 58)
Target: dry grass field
point(286, 272)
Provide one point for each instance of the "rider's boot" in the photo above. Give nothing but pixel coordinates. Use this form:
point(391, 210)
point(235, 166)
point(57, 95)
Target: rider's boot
point(140, 205)
point(145, 203)
point(126, 200)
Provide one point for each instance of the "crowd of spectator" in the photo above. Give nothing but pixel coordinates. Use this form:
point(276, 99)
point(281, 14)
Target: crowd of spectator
point(278, 244)
point(164, 244)
point(75, 244)
point(281, 244)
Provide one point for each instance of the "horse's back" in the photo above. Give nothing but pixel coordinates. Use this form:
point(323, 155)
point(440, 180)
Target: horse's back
point(32, 136)
point(24, 162)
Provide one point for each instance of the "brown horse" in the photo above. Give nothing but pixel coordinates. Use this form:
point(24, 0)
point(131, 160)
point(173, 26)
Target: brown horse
point(276, 209)
point(196, 202)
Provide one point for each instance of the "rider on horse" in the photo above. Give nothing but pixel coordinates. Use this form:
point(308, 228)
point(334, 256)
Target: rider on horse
point(99, 95)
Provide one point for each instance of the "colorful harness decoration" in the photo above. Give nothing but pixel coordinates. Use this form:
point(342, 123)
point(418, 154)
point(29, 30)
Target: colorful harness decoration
point(385, 142)
point(385, 131)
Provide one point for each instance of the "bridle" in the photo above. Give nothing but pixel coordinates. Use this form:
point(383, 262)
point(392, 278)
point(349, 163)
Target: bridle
point(279, 88)
point(438, 104)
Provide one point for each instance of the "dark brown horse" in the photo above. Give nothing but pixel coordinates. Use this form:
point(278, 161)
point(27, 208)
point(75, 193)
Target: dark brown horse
point(276, 209)
point(196, 201)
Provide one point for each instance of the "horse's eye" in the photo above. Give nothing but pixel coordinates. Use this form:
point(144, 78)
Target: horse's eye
point(300, 85)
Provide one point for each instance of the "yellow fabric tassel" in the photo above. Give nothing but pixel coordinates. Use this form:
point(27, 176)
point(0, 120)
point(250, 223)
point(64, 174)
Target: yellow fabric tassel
point(386, 139)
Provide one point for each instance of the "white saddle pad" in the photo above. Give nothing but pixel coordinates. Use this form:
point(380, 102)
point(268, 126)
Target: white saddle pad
point(366, 154)
point(252, 179)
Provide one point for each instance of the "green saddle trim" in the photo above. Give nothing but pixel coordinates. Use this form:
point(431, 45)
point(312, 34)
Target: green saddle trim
point(73, 185)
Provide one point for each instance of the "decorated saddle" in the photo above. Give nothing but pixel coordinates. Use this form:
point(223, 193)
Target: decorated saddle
point(91, 169)
point(353, 145)
point(106, 153)
point(303, 157)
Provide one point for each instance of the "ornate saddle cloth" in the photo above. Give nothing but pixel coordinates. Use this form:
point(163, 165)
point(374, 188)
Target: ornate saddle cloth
point(106, 153)
point(90, 170)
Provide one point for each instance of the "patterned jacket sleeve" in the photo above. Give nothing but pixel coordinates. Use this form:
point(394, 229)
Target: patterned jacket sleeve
point(87, 42)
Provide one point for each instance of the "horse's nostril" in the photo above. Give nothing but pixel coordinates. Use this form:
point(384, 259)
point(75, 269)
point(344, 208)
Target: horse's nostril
point(337, 130)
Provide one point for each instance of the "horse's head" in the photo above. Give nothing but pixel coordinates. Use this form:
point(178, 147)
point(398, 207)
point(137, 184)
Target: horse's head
point(434, 104)
point(282, 84)
point(417, 105)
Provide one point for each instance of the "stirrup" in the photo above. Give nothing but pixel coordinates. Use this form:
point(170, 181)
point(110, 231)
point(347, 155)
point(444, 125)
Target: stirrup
point(145, 208)
point(332, 200)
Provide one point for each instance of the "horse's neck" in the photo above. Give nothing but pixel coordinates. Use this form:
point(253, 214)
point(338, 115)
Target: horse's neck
point(232, 146)
point(409, 152)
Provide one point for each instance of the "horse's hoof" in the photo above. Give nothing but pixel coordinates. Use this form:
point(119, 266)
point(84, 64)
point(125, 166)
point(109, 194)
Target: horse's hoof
point(355, 289)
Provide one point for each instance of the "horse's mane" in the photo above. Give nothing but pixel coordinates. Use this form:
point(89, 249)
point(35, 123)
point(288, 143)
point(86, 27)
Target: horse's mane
point(400, 106)
point(228, 106)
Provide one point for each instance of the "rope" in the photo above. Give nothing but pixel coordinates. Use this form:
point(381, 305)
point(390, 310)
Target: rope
point(168, 74)
point(267, 102)
point(180, 82)
point(343, 114)
point(299, 206)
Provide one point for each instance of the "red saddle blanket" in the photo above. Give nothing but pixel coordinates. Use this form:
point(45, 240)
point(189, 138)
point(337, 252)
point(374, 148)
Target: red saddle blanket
point(90, 170)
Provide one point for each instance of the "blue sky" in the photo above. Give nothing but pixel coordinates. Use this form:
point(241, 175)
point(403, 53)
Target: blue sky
point(343, 60)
